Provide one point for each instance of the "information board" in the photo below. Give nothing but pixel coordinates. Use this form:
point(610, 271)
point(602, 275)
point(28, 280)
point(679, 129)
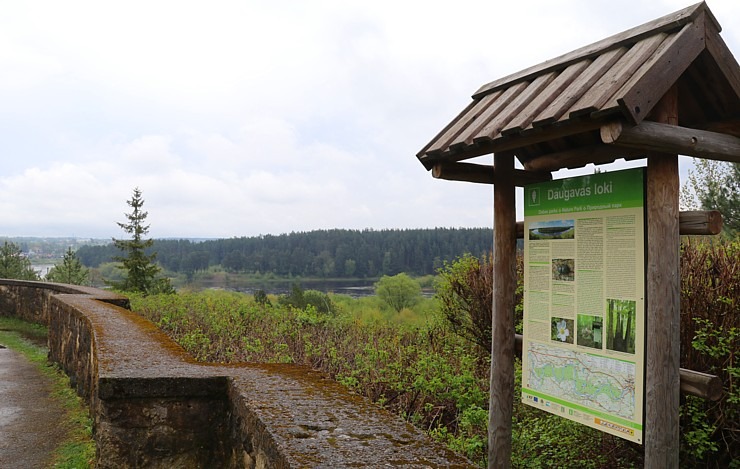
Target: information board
point(584, 300)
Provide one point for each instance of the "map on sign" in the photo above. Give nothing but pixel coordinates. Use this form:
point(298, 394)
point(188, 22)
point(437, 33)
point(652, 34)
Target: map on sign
point(599, 383)
point(584, 300)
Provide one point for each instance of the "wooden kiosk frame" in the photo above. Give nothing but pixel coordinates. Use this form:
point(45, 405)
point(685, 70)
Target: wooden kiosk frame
point(665, 88)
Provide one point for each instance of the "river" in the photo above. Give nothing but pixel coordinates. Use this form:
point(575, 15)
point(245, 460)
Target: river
point(354, 288)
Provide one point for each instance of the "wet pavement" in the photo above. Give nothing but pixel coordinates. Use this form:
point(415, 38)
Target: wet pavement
point(30, 420)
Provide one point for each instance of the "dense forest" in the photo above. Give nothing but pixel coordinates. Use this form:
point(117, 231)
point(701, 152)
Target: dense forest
point(322, 253)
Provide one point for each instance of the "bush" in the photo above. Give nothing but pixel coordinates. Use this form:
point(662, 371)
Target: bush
point(710, 343)
point(399, 291)
point(301, 299)
point(427, 372)
point(465, 293)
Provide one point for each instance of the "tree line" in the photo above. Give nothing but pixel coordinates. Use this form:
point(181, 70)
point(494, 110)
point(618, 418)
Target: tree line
point(336, 253)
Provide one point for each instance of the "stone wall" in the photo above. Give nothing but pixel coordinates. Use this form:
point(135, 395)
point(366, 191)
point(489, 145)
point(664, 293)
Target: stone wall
point(154, 406)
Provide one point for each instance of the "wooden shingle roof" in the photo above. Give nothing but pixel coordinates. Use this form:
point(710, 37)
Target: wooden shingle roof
point(551, 115)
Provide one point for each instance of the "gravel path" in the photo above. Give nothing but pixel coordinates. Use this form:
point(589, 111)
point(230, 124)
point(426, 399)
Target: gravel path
point(30, 420)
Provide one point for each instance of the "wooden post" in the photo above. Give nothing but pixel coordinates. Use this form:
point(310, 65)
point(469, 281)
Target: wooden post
point(662, 382)
point(504, 285)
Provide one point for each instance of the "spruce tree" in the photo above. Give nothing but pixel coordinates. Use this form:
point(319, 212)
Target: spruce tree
point(13, 264)
point(69, 271)
point(140, 267)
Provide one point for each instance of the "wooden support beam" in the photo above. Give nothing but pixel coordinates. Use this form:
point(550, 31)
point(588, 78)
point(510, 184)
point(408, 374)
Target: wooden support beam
point(662, 295)
point(695, 222)
point(692, 382)
point(666, 138)
point(484, 174)
point(700, 384)
point(501, 402)
point(581, 156)
point(700, 222)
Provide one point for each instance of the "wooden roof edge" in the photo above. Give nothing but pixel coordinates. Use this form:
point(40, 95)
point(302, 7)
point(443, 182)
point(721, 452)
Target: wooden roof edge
point(723, 57)
point(518, 140)
point(426, 147)
point(643, 92)
point(669, 22)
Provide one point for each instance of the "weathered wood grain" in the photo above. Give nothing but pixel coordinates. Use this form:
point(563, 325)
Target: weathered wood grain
point(465, 119)
point(655, 136)
point(700, 222)
point(504, 285)
point(700, 384)
point(523, 119)
point(578, 157)
point(613, 79)
point(507, 97)
point(557, 107)
point(484, 174)
point(646, 87)
point(528, 137)
point(723, 56)
point(666, 23)
point(492, 128)
point(662, 379)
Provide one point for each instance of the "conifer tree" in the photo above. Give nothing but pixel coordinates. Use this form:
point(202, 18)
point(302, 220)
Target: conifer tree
point(69, 271)
point(13, 264)
point(140, 267)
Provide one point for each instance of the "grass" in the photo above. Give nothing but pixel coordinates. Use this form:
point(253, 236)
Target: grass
point(77, 450)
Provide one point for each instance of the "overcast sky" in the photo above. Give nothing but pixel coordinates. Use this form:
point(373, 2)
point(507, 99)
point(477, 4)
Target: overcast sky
point(240, 118)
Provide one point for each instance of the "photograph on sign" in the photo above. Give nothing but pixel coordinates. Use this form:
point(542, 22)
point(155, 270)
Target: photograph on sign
point(584, 300)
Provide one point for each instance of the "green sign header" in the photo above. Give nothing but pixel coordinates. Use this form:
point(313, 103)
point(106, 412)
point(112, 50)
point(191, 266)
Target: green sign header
point(600, 191)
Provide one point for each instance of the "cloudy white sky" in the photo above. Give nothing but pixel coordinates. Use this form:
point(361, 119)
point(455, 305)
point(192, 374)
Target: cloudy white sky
point(239, 118)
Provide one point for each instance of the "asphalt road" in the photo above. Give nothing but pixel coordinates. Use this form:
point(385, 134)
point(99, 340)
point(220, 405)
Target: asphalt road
point(30, 420)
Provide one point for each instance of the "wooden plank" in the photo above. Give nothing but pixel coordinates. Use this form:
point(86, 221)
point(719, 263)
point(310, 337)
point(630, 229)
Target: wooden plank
point(502, 349)
point(484, 174)
point(431, 147)
point(700, 384)
point(613, 79)
point(645, 88)
point(540, 102)
point(509, 95)
point(669, 22)
point(662, 379)
point(700, 222)
point(534, 91)
point(691, 222)
point(558, 107)
point(512, 142)
point(695, 383)
point(654, 136)
point(472, 112)
point(721, 53)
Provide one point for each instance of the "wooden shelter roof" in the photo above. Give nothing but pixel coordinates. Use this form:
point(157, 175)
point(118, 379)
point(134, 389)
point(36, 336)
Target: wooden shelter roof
point(553, 115)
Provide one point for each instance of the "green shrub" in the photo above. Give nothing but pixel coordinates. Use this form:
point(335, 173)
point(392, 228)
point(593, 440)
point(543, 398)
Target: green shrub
point(710, 343)
point(420, 364)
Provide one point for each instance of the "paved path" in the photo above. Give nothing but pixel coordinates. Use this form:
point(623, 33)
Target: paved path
point(29, 417)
